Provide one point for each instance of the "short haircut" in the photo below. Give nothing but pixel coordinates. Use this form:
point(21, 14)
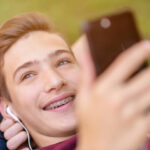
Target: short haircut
point(12, 30)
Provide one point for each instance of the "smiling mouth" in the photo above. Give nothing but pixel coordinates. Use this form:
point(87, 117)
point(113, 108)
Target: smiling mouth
point(60, 103)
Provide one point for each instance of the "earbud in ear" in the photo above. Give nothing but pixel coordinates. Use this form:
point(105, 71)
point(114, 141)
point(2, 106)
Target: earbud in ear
point(11, 114)
point(16, 119)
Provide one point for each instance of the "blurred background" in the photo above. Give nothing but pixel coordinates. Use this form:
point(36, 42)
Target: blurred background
point(68, 15)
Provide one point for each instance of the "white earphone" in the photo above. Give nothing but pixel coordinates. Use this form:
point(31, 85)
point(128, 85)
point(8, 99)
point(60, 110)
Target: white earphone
point(11, 114)
point(16, 119)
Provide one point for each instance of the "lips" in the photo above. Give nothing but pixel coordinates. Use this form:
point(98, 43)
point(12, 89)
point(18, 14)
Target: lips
point(59, 101)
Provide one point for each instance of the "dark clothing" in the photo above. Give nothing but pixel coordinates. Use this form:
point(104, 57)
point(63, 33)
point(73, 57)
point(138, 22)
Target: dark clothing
point(69, 144)
point(2, 140)
point(0, 117)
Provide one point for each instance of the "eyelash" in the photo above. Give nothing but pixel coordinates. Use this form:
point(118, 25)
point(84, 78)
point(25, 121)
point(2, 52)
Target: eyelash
point(63, 60)
point(24, 77)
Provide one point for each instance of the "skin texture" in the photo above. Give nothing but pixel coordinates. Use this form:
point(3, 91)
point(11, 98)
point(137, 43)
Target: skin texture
point(13, 132)
point(118, 108)
point(126, 120)
point(49, 77)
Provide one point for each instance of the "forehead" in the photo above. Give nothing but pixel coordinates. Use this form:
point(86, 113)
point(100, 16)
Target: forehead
point(36, 41)
point(35, 45)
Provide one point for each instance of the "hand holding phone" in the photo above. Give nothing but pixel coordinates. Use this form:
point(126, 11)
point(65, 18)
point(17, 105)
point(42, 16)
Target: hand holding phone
point(115, 110)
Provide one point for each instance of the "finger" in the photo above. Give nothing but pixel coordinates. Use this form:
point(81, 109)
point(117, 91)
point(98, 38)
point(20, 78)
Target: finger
point(79, 46)
point(148, 118)
point(12, 131)
point(128, 62)
point(143, 103)
point(17, 140)
point(5, 124)
point(140, 106)
point(87, 72)
point(25, 148)
point(87, 76)
point(137, 85)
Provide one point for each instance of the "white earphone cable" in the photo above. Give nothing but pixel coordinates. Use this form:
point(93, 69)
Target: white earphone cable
point(28, 135)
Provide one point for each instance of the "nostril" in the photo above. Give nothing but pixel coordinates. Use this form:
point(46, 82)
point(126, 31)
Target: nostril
point(54, 85)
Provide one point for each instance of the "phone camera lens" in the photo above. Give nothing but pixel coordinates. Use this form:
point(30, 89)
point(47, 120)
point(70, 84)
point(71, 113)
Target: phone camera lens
point(105, 23)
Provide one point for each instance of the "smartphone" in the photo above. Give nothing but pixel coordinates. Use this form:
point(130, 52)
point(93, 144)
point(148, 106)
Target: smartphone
point(110, 35)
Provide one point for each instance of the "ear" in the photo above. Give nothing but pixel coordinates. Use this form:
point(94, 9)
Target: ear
point(4, 103)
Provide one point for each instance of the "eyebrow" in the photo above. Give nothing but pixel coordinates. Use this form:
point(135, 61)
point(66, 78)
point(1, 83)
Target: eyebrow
point(58, 52)
point(34, 62)
point(25, 65)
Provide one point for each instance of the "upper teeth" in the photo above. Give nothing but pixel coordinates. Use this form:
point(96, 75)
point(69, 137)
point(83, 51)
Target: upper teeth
point(60, 103)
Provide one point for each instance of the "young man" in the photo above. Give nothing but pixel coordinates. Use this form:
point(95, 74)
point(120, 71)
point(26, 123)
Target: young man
point(14, 133)
point(40, 83)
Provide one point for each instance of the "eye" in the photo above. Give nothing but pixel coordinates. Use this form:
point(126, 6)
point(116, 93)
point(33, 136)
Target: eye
point(27, 76)
point(63, 62)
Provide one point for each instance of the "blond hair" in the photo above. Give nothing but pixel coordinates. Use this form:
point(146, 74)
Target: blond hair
point(12, 30)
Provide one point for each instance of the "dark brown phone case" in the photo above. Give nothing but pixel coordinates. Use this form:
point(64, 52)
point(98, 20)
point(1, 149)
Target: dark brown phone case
point(110, 35)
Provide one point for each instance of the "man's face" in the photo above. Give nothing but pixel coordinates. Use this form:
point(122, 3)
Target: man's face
point(42, 76)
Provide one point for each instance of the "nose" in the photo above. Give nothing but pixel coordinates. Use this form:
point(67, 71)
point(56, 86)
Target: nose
point(53, 81)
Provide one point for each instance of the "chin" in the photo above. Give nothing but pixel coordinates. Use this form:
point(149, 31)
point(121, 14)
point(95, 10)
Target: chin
point(68, 128)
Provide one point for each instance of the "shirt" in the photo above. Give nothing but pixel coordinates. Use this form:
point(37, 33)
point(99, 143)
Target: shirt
point(69, 144)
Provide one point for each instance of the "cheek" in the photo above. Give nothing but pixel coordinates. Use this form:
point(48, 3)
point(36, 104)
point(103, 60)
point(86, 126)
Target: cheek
point(25, 96)
point(71, 75)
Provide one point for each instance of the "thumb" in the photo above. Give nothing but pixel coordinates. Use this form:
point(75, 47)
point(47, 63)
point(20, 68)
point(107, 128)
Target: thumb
point(87, 72)
point(25, 148)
